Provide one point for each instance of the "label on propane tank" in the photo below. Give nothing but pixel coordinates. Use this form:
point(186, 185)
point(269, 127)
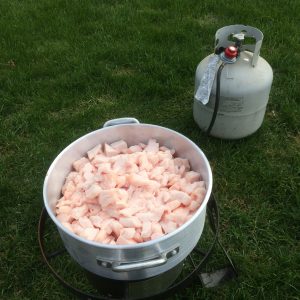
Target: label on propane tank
point(204, 88)
point(228, 104)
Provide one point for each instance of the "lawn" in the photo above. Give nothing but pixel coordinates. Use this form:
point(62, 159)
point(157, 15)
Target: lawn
point(79, 63)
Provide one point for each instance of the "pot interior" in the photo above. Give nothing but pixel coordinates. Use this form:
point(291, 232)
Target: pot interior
point(132, 134)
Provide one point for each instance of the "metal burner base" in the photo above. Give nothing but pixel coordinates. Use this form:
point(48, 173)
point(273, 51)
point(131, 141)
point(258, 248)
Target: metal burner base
point(157, 287)
point(135, 289)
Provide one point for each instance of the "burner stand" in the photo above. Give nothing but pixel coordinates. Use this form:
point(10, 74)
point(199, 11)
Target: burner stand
point(157, 287)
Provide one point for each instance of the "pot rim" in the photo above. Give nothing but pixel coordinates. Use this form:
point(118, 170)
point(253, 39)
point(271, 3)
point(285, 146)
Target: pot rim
point(138, 245)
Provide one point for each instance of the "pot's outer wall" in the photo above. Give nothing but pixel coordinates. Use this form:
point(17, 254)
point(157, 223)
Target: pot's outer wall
point(86, 252)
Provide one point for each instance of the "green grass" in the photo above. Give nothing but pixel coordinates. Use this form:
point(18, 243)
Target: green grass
point(80, 63)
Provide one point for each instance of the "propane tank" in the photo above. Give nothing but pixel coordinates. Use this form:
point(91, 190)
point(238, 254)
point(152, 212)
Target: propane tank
point(232, 85)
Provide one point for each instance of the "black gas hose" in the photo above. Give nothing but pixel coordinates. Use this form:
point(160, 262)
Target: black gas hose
point(217, 101)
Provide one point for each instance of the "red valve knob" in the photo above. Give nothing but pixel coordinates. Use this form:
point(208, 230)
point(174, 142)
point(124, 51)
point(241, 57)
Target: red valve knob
point(231, 52)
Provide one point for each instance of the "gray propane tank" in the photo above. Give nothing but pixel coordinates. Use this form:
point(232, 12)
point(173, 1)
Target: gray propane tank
point(242, 89)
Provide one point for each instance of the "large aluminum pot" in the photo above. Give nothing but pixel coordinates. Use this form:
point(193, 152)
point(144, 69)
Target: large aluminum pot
point(138, 261)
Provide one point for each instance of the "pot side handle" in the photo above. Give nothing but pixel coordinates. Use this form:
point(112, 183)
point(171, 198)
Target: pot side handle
point(120, 121)
point(126, 267)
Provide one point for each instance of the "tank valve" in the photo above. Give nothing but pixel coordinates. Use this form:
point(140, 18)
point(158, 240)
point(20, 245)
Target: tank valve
point(229, 55)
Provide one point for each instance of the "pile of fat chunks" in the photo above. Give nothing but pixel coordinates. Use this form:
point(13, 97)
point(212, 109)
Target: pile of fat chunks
point(126, 195)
